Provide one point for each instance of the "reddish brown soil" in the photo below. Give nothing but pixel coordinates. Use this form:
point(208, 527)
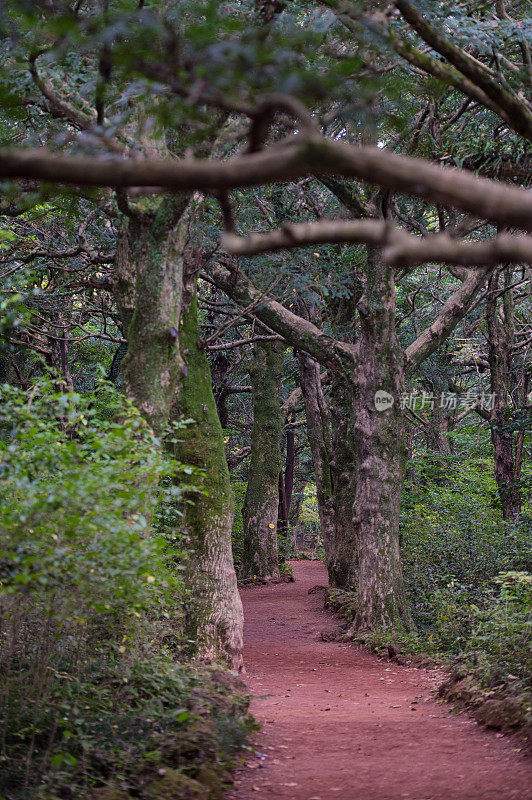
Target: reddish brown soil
point(339, 723)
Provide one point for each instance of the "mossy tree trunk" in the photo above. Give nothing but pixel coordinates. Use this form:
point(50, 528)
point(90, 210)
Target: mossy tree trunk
point(214, 614)
point(261, 503)
point(379, 455)
point(319, 436)
point(297, 502)
point(359, 456)
point(436, 430)
point(500, 325)
point(167, 377)
point(343, 548)
point(362, 478)
point(286, 481)
point(148, 290)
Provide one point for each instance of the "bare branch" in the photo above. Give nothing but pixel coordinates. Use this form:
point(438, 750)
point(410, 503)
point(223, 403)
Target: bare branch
point(244, 342)
point(410, 251)
point(401, 248)
point(300, 157)
point(230, 323)
point(452, 311)
point(236, 458)
point(294, 329)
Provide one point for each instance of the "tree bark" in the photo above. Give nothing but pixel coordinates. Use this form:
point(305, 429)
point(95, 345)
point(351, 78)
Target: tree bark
point(286, 483)
point(338, 553)
point(148, 288)
point(295, 506)
point(500, 342)
point(261, 503)
point(436, 424)
point(344, 467)
point(214, 616)
point(167, 377)
point(379, 455)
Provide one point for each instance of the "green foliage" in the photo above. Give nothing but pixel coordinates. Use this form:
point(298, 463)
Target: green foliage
point(466, 570)
point(78, 483)
point(13, 316)
point(502, 629)
point(90, 601)
point(308, 536)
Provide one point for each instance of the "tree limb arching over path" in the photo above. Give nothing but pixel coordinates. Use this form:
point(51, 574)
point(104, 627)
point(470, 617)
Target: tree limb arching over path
point(298, 157)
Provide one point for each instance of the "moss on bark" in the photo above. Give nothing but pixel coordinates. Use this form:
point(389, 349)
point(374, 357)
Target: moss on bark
point(151, 255)
point(214, 614)
point(261, 503)
point(379, 456)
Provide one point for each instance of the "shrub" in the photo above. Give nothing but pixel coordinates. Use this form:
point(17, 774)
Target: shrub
point(454, 542)
point(502, 628)
point(90, 602)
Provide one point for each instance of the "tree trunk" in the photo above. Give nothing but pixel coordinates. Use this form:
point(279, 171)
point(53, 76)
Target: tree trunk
point(148, 290)
point(500, 342)
point(337, 537)
point(166, 376)
point(379, 455)
point(261, 503)
point(289, 469)
point(286, 488)
point(286, 483)
point(115, 370)
point(436, 429)
point(282, 509)
point(297, 502)
point(343, 548)
point(214, 612)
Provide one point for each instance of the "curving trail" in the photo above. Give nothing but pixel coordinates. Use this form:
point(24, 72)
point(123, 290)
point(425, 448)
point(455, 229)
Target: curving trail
point(339, 723)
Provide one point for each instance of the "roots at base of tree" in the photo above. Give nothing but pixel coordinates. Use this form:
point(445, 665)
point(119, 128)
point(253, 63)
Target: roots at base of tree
point(345, 603)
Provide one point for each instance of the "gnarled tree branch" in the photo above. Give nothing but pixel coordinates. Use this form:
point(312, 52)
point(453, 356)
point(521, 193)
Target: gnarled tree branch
point(452, 311)
point(298, 331)
point(400, 248)
point(301, 157)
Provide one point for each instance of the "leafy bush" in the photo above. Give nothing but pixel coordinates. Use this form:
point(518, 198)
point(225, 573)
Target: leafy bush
point(467, 571)
point(502, 628)
point(454, 542)
point(90, 603)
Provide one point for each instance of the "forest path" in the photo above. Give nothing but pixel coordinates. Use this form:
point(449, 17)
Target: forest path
point(339, 723)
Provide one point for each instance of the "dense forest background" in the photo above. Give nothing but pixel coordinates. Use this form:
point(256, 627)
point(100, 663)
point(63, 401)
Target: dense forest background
point(300, 326)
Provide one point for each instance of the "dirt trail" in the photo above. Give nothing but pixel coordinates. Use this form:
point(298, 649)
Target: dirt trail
point(339, 723)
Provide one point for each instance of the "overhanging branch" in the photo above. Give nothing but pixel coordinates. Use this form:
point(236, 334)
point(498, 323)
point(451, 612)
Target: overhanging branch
point(299, 332)
point(452, 311)
point(400, 248)
point(301, 157)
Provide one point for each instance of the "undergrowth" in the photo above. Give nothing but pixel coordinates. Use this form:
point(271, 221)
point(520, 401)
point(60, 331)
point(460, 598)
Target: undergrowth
point(94, 689)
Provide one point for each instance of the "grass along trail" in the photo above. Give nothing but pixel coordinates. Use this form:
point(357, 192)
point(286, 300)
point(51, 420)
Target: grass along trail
point(339, 723)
